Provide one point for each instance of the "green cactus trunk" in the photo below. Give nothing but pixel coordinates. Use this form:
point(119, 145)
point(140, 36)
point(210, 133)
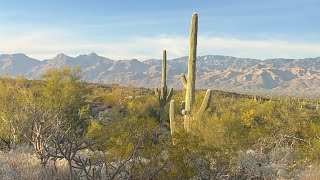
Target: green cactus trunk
point(191, 87)
point(163, 96)
point(164, 69)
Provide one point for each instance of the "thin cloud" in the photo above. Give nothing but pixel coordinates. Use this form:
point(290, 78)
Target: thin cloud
point(44, 45)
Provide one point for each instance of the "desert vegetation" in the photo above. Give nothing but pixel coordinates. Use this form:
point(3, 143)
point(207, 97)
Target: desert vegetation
point(60, 127)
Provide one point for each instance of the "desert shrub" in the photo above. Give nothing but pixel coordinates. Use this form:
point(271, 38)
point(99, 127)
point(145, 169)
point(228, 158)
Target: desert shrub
point(143, 107)
point(278, 164)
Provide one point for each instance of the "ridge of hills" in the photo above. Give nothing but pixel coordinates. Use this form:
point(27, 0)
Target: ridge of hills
point(294, 77)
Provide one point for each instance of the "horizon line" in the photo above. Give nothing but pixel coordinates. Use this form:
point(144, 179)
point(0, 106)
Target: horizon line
point(126, 59)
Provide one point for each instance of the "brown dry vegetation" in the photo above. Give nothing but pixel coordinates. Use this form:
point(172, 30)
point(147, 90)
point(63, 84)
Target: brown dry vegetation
point(22, 163)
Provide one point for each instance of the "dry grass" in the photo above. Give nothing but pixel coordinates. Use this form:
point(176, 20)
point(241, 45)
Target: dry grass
point(313, 173)
point(23, 164)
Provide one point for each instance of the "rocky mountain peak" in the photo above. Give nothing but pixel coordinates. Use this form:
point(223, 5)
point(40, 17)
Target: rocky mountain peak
point(61, 56)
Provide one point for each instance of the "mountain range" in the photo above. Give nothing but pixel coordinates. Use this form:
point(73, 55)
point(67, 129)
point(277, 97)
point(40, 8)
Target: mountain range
point(296, 77)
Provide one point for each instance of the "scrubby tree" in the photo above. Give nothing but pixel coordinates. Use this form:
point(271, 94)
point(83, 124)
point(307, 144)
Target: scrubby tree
point(64, 91)
point(11, 109)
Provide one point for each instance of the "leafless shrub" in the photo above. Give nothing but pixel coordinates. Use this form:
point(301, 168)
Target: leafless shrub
point(44, 123)
point(270, 160)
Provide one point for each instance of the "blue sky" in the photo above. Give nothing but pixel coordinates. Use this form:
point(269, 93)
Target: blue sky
point(126, 29)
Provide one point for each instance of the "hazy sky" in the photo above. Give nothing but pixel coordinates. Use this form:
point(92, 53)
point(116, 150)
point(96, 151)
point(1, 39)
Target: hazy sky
point(126, 29)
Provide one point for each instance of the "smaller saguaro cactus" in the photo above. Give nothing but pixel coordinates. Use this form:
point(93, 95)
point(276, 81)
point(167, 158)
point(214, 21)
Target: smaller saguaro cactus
point(163, 96)
point(254, 97)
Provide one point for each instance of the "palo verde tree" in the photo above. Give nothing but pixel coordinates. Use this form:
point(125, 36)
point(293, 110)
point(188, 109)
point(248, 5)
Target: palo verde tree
point(64, 91)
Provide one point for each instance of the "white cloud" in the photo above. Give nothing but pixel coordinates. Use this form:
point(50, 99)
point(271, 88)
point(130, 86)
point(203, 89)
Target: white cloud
point(46, 44)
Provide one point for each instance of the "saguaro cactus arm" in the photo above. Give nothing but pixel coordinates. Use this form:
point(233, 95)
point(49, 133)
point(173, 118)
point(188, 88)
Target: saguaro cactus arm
point(183, 104)
point(170, 94)
point(156, 91)
point(172, 115)
point(205, 104)
point(184, 80)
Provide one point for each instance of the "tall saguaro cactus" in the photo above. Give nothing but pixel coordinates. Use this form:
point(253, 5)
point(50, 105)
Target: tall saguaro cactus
point(190, 82)
point(163, 95)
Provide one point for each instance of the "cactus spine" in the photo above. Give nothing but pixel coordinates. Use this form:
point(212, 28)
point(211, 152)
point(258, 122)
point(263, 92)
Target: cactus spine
point(163, 95)
point(189, 83)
